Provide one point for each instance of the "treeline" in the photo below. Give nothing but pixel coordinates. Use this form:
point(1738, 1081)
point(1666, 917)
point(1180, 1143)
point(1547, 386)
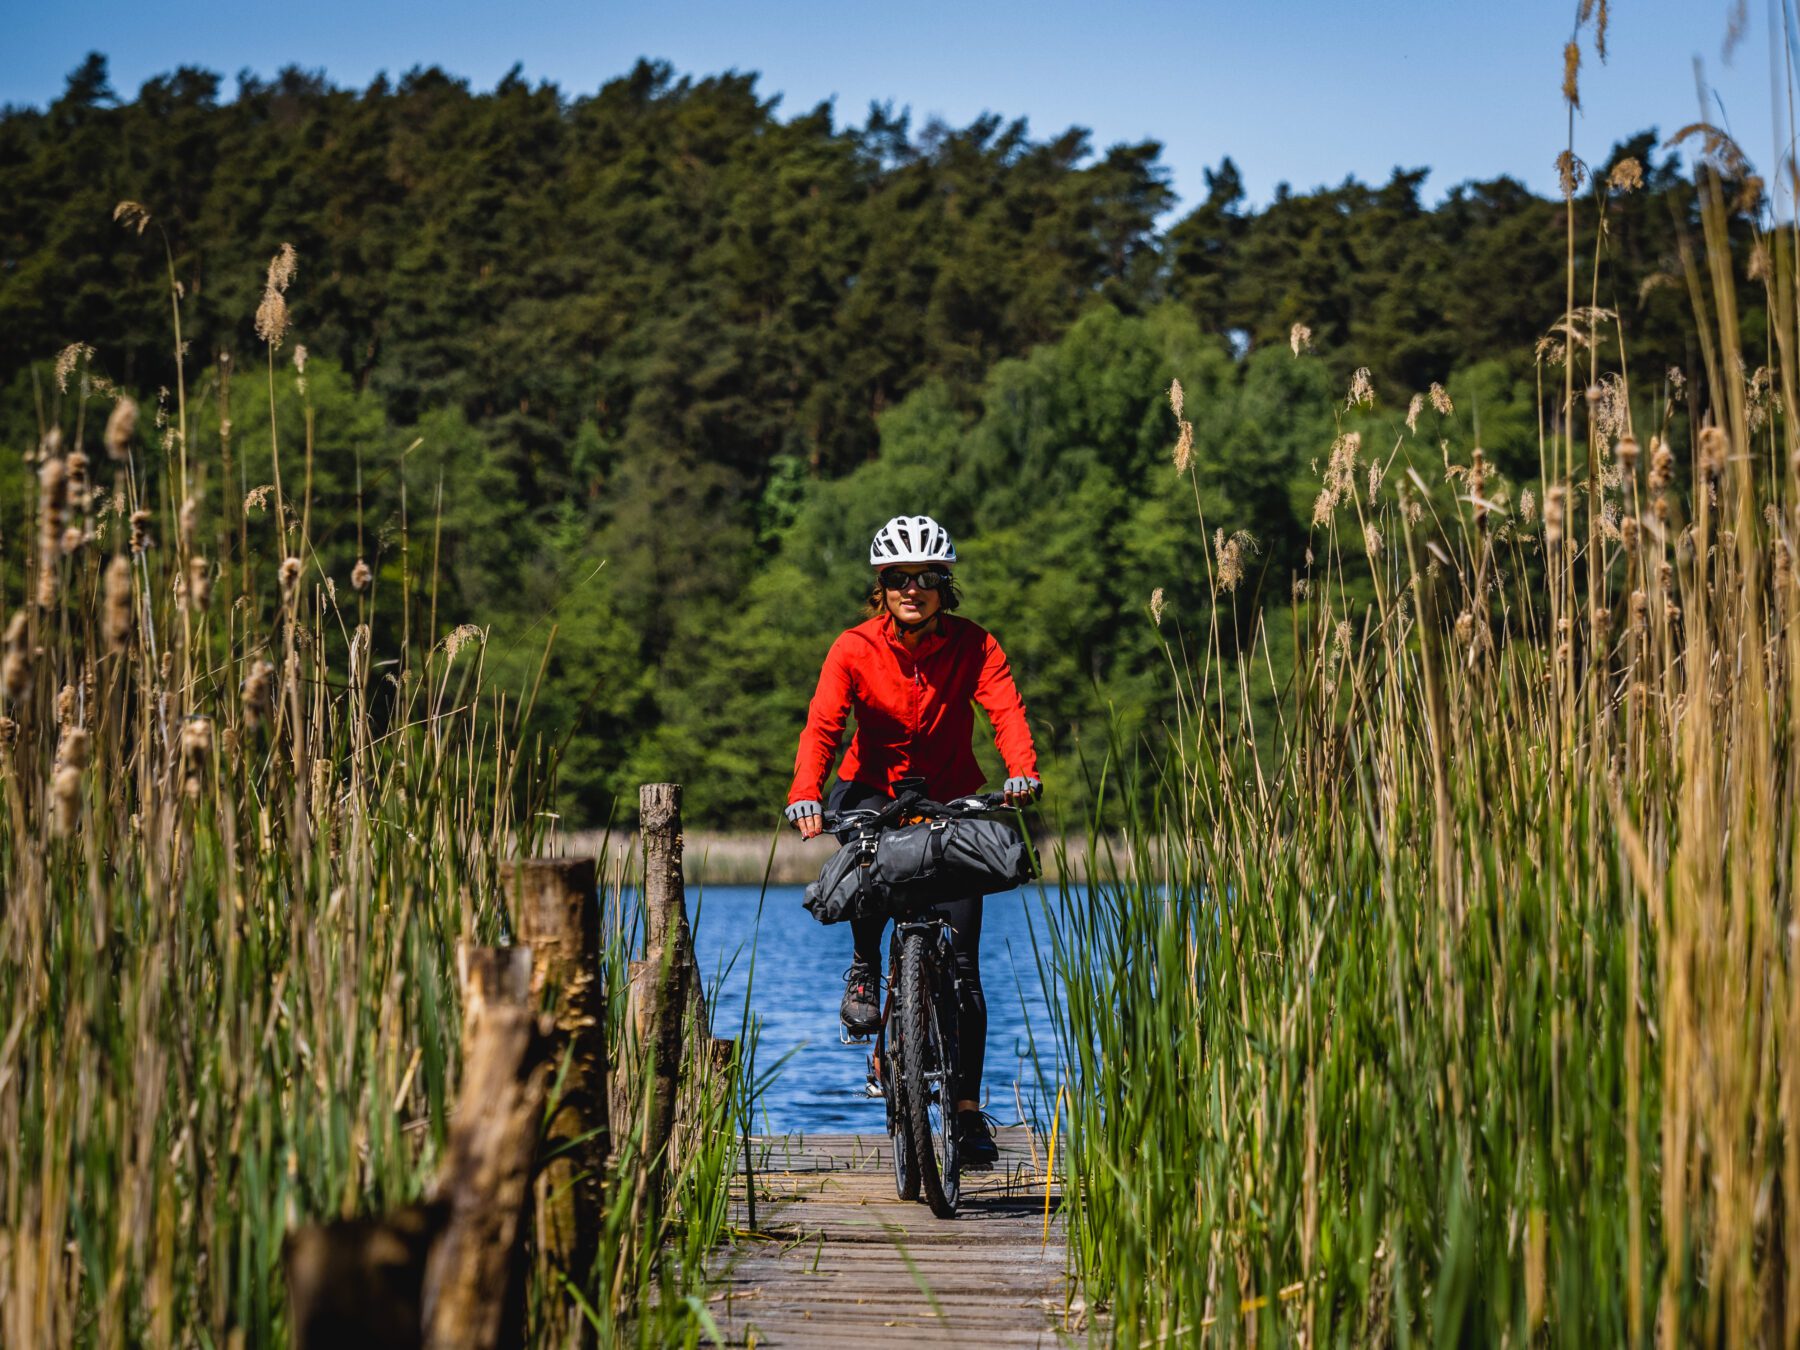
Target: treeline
point(645, 368)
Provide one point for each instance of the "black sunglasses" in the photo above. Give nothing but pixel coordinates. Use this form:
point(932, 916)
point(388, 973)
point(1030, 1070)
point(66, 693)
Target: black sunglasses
point(893, 579)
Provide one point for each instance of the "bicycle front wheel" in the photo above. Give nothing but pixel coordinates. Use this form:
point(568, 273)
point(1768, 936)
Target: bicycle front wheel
point(927, 1029)
point(906, 1170)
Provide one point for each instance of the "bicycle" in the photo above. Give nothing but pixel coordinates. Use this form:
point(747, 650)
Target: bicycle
point(913, 1063)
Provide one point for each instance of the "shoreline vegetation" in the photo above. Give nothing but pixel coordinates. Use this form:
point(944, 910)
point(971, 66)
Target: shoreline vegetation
point(740, 858)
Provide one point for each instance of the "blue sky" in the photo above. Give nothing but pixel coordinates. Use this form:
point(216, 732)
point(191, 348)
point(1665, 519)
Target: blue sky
point(1306, 91)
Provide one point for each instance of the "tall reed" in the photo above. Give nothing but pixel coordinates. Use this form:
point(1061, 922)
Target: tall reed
point(250, 809)
point(1473, 1016)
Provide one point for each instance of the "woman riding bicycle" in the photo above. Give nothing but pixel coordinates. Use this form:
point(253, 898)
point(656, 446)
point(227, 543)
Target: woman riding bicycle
point(911, 672)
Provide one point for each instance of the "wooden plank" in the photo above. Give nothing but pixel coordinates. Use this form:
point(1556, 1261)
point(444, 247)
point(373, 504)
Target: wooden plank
point(836, 1252)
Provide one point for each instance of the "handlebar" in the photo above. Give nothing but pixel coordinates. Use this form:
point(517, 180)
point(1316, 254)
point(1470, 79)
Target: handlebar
point(973, 805)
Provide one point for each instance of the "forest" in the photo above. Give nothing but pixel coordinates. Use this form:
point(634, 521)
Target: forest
point(644, 368)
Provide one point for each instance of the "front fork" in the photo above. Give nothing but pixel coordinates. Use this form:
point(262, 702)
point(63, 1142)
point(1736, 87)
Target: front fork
point(938, 930)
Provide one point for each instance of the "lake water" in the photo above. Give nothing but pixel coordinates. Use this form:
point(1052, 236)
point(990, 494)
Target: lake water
point(797, 981)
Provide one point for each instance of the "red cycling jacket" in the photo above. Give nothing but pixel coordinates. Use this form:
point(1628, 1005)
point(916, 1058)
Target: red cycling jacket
point(914, 711)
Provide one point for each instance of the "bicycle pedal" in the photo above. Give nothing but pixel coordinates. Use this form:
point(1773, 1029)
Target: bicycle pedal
point(849, 1037)
point(873, 1091)
point(974, 1166)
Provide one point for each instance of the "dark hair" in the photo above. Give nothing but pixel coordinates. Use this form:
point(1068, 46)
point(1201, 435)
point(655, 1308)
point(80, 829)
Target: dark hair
point(949, 597)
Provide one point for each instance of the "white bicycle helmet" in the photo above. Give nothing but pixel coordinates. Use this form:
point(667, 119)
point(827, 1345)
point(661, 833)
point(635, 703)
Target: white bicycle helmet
point(911, 539)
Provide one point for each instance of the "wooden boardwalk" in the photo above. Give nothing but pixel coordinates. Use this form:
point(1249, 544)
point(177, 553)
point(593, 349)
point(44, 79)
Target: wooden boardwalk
point(837, 1260)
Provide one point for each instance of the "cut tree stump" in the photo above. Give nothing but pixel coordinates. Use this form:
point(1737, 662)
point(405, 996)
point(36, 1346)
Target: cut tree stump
point(474, 1296)
point(556, 911)
point(356, 1284)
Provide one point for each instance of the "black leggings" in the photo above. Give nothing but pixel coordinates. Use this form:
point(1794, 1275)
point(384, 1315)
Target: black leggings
point(965, 944)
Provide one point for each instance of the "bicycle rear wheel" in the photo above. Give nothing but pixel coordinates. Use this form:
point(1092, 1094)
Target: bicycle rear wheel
point(927, 1029)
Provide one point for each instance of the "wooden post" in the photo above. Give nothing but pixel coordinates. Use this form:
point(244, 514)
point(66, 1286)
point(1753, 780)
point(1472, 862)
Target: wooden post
point(556, 909)
point(668, 955)
point(474, 1296)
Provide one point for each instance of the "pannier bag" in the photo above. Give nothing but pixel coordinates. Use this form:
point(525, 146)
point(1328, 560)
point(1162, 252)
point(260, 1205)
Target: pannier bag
point(896, 871)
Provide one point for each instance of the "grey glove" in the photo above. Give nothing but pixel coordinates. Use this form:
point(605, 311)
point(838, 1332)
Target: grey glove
point(1021, 787)
point(796, 812)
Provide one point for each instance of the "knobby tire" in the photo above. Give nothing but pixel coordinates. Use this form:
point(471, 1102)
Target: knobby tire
point(923, 1048)
point(906, 1170)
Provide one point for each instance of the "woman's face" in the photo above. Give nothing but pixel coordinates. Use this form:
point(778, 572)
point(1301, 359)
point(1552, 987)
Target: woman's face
point(911, 603)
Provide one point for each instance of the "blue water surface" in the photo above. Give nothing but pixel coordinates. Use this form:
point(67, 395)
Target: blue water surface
point(792, 967)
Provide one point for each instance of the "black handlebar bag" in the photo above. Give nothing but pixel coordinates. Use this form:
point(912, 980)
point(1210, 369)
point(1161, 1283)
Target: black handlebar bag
point(896, 871)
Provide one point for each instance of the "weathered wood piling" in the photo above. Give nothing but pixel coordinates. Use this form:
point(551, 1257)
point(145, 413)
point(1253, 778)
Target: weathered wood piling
point(556, 914)
point(452, 1272)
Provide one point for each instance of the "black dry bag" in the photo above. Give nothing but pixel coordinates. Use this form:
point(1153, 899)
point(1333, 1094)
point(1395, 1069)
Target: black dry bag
point(897, 871)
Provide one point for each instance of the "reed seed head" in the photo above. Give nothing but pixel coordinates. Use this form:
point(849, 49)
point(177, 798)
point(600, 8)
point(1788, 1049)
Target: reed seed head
point(1626, 176)
point(1571, 173)
point(1184, 448)
point(460, 636)
point(121, 426)
point(1175, 398)
point(199, 582)
point(1440, 400)
point(290, 577)
point(53, 498)
point(1628, 533)
point(120, 614)
point(1571, 83)
point(65, 799)
point(15, 669)
point(78, 479)
point(66, 361)
point(258, 700)
point(1714, 449)
point(1230, 555)
point(1362, 390)
point(196, 752)
point(72, 748)
point(15, 675)
point(1340, 476)
point(1554, 515)
point(1156, 606)
point(361, 576)
point(1628, 453)
point(1413, 409)
point(272, 313)
point(1372, 540)
point(53, 487)
point(1300, 338)
point(140, 531)
point(9, 735)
